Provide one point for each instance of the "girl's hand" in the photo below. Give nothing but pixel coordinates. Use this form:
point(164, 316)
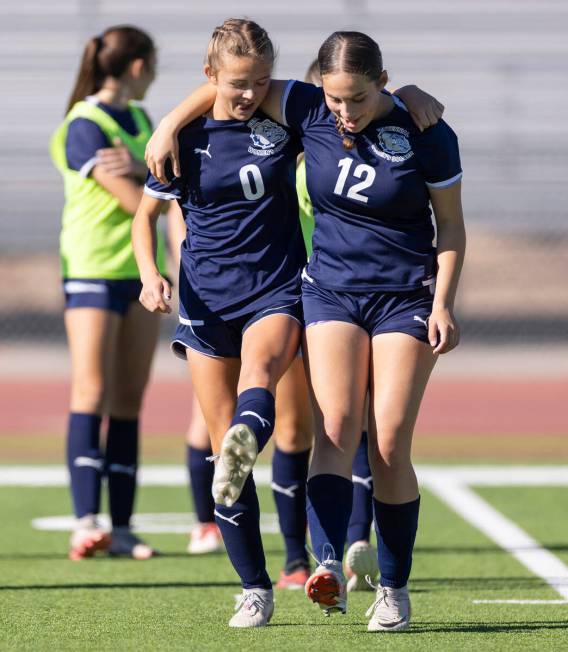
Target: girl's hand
point(443, 331)
point(118, 162)
point(424, 109)
point(163, 145)
point(156, 292)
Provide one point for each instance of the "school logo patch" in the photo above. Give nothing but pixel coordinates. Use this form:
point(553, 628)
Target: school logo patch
point(267, 137)
point(393, 144)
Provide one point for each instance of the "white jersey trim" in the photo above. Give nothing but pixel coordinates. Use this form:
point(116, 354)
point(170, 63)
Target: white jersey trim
point(398, 102)
point(446, 183)
point(87, 167)
point(284, 101)
point(80, 287)
point(159, 195)
point(191, 322)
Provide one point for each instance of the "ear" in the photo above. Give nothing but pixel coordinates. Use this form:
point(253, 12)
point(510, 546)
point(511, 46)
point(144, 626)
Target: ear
point(210, 74)
point(136, 68)
point(382, 81)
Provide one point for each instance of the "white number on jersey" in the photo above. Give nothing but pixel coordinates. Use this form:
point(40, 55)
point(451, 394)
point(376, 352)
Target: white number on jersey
point(245, 174)
point(362, 171)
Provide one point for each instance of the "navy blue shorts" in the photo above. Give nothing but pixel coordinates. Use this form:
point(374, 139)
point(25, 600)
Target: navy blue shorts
point(115, 296)
point(224, 338)
point(375, 312)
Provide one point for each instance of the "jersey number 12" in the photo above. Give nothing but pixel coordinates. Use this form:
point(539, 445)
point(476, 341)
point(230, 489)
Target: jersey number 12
point(362, 171)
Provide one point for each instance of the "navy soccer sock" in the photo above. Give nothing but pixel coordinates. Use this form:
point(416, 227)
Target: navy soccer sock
point(201, 478)
point(289, 475)
point(255, 408)
point(240, 527)
point(330, 498)
point(121, 462)
point(362, 512)
point(84, 462)
point(396, 527)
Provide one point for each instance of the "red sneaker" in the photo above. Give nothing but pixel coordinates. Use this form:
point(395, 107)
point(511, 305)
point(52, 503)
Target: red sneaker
point(326, 587)
point(204, 538)
point(294, 579)
point(86, 541)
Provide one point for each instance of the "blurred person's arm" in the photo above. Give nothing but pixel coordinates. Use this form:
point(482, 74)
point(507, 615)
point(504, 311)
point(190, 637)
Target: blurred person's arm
point(177, 231)
point(119, 162)
point(127, 191)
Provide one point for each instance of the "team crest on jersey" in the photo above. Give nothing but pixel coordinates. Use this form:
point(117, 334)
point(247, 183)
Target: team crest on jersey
point(393, 144)
point(267, 137)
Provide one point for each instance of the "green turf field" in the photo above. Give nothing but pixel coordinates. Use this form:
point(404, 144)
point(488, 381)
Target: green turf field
point(177, 602)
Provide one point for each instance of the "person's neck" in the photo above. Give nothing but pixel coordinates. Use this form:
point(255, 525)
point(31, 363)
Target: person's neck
point(385, 104)
point(219, 112)
point(114, 94)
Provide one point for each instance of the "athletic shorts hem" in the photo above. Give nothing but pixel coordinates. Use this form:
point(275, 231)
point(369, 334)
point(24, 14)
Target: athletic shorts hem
point(421, 338)
point(260, 318)
point(176, 348)
point(327, 320)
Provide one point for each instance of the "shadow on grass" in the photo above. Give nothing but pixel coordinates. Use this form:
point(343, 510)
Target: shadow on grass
point(475, 583)
point(483, 628)
point(181, 554)
point(476, 550)
point(121, 585)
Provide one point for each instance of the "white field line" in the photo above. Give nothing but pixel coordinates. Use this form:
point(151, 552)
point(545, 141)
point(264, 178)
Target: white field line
point(520, 601)
point(163, 523)
point(175, 476)
point(449, 484)
point(149, 476)
point(497, 527)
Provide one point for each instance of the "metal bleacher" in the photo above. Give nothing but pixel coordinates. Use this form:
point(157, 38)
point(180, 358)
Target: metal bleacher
point(500, 67)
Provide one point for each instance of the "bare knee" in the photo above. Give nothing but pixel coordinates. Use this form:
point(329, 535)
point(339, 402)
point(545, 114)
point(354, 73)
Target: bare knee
point(88, 395)
point(126, 401)
point(339, 431)
point(258, 373)
point(292, 436)
point(392, 454)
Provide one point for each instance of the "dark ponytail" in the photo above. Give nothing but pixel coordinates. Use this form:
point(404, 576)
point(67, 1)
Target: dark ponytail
point(109, 55)
point(354, 53)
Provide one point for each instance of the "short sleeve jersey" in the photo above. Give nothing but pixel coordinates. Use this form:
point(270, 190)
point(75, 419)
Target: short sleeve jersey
point(373, 223)
point(238, 197)
point(84, 137)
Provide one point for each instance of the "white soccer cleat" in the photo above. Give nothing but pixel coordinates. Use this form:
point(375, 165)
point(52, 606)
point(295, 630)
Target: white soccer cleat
point(360, 562)
point(204, 538)
point(87, 538)
point(326, 587)
point(390, 612)
point(124, 543)
point(254, 608)
point(239, 450)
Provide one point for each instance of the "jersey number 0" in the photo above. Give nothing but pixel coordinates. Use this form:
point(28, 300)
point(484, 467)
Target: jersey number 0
point(251, 181)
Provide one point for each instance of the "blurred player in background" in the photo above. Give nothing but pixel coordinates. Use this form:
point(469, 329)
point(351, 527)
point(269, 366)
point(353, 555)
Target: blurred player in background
point(99, 151)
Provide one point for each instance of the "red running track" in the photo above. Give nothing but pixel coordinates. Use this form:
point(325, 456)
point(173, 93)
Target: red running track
point(450, 407)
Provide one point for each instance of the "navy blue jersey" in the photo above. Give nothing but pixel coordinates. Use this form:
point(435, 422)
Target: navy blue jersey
point(238, 197)
point(373, 223)
point(84, 137)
